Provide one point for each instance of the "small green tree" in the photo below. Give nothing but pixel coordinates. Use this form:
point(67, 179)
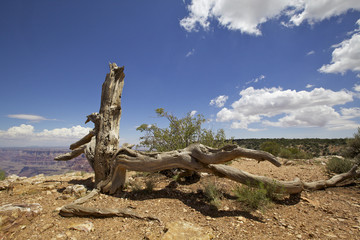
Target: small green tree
point(181, 133)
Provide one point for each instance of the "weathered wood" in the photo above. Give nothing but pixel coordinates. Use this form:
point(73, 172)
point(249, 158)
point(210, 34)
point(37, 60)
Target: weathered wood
point(110, 163)
point(335, 180)
point(70, 155)
point(107, 138)
point(84, 140)
point(200, 158)
point(74, 210)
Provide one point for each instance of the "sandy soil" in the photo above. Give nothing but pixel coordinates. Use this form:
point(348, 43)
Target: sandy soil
point(333, 213)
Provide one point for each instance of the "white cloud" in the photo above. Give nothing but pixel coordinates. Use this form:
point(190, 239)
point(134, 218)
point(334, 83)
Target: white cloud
point(309, 86)
point(219, 101)
point(190, 53)
point(193, 112)
point(261, 77)
point(310, 53)
point(33, 118)
point(350, 112)
point(356, 88)
point(247, 16)
point(315, 11)
point(346, 55)
point(25, 135)
point(292, 108)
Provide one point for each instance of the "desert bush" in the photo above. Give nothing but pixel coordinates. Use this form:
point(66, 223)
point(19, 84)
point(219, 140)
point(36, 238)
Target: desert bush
point(352, 149)
point(2, 175)
point(338, 165)
point(271, 147)
point(259, 197)
point(181, 133)
point(253, 198)
point(285, 153)
point(213, 194)
point(149, 185)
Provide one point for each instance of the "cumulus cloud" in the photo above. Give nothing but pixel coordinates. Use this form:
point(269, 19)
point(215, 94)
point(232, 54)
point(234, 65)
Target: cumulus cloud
point(25, 135)
point(346, 55)
point(309, 86)
point(291, 108)
point(315, 11)
point(33, 118)
point(219, 101)
point(247, 16)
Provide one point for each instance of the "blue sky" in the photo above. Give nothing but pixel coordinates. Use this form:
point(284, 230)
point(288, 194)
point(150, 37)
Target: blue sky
point(277, 69)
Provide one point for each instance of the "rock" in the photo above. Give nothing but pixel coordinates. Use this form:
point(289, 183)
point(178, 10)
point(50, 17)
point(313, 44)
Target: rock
point(77, 190)
point(12, 178)
point(63, 197)
point(330, 235)
point(185, 230)
point(14, 216)
point(241, 219)
point(85, 227)
point(5, 185)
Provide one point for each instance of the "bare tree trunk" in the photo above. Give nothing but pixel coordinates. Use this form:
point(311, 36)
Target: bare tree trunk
point(102, 143)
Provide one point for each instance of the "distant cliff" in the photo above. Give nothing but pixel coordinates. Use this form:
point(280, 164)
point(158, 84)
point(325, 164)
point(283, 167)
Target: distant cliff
point(29, 162)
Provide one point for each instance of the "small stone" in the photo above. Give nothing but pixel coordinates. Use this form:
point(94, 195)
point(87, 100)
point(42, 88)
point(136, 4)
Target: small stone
point(85, 227)
point(186, 230)
point(298, 236)
point(226, 208)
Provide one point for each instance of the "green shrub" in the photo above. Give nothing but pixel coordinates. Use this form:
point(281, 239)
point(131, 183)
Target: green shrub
point(338, 165)
point(149, 185)
point(253, 198)
point(213, 194)
point(2, 175)
point(180, 133)
point(293, 153)
point(285, 153)
point(271, 147)
point(352, 149)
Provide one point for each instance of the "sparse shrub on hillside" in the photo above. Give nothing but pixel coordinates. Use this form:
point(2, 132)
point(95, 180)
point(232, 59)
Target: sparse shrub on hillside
point(213, 194)
point(271, 147)
point(2, 175)
point(284, 152)
point(338, 165)
point(258, 198)
point(252, 198)
point(149, 185)
point(352, 149)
